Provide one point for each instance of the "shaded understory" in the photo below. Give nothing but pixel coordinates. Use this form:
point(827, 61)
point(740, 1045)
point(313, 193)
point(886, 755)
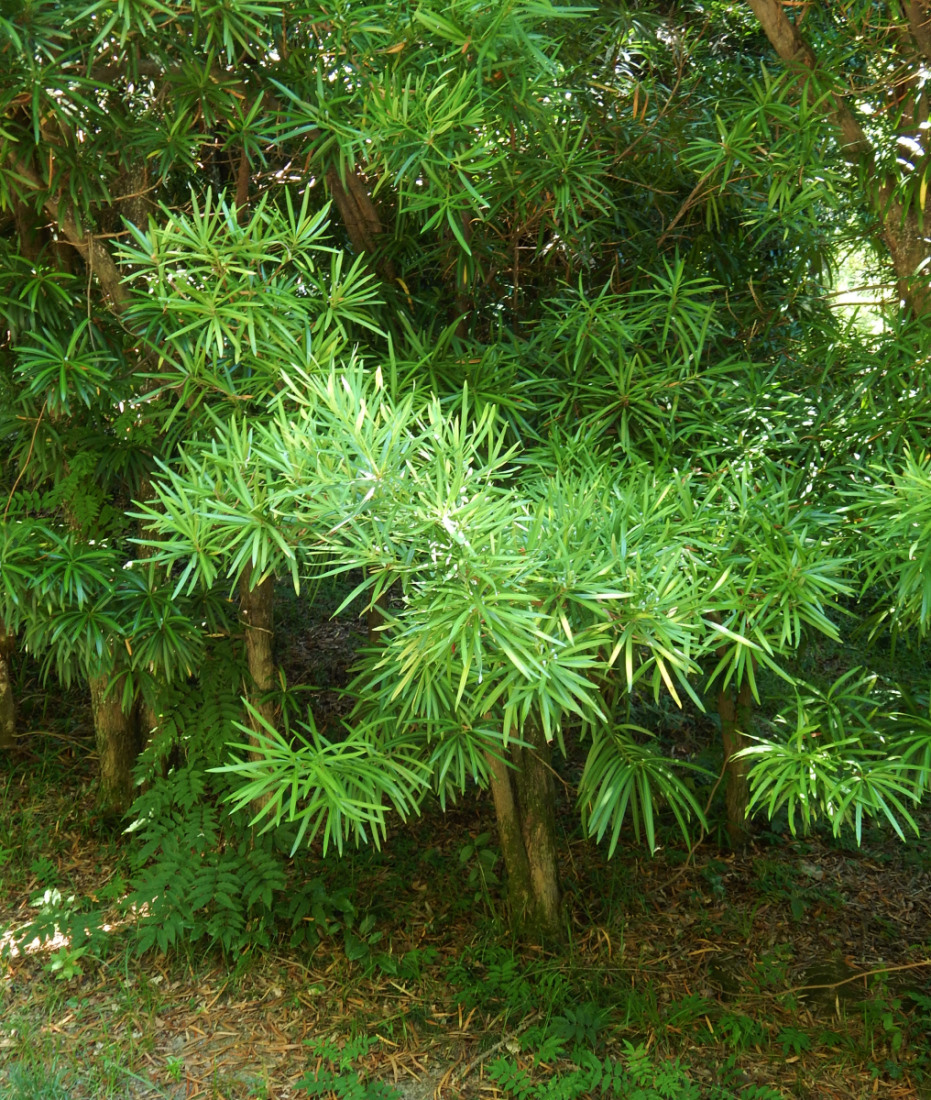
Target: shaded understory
point(802, 968)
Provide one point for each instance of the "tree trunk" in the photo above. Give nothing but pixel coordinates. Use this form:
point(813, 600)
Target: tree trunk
point(257, 606)
point(524, 797)
point(115, 734)
point(147, 718)
point(93, 251)
point(375, 618)
point(7, 699)
point(901, 227)
point(735, 712)
point(363, 225)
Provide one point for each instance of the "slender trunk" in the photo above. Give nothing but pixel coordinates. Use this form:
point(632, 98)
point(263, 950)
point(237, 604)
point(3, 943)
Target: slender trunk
point(511, 839)
point(902, 227)
point(256, 605)
point(147, 718)
point(147, 721)
point(734, 712)
point(360, 217)
point(524, 797)
point(375, 617)
point(7, 698)
point(93, 250)
point(536, 793)
point(116, 737)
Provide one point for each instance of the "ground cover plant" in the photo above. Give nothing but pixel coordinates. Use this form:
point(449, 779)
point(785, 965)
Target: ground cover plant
point(798, 968)
point(464, 546)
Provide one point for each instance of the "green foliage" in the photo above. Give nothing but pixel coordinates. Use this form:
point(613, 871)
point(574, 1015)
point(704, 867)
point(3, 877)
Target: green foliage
point(896, 509)
point(515, 320)
point(481, 859)
point(200, 874)
point(34, 1083)
point(793, 1041)
point(335, 1076)
point(839, 762)
point(636, 1074)
point(339, 787)
point(623, 775)
point(498, 978)
point(779, 577)
point(630, 368)
point(259, 282)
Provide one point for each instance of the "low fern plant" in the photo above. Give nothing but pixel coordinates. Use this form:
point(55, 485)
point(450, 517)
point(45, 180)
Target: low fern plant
point(199, 872)
point(334, 1075)
point(634, 1076)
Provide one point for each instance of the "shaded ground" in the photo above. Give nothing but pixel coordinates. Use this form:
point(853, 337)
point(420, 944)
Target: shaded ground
point(800, 965)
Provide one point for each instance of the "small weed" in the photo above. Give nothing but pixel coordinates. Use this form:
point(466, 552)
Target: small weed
point(581, 1026)
point(500, 979)
point(714, 873)
point(481, 858)
point(687, 1011)
point(884, 1023)
point(45, 870)
point(335, 1075)
point(771, 971)
point(793, 1041)
point(638, 1008)
point(636, 1074)
point(65, 963)
point(739, 1032)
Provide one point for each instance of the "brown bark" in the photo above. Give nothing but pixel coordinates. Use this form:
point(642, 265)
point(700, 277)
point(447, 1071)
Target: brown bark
point(734, 712)
point(900, 228)
point(132, 202)
point(147, 719)
point(243, 176)
point(360, 218)
point(536, 793)
point(524, 797)
point(257, 607)
point(115, 735)
point(30, 244)
point(93, 251)
point(7, 697)
point(375, 616)
point(511, 839)
point(919, 24)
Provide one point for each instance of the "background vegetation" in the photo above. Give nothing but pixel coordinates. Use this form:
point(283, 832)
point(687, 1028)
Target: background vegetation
point(510, 419)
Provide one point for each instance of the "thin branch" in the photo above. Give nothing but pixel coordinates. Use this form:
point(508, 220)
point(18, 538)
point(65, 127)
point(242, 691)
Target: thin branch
point(23, 468)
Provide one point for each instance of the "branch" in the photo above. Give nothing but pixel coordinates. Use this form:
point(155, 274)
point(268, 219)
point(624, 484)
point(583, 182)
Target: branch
point(919, 23)
point(795, 51)
point(94, 252)
point(360, 217)
point(902, 230)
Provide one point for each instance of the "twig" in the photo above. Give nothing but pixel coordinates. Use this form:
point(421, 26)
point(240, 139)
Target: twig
point(460, 1078)
point(32, 443)
point(853, 978)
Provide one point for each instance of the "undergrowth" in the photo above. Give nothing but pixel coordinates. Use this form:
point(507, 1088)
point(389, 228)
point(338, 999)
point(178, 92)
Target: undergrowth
point(196, 889)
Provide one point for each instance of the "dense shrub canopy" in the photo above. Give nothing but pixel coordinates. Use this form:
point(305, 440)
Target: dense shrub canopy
point(522, 317)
